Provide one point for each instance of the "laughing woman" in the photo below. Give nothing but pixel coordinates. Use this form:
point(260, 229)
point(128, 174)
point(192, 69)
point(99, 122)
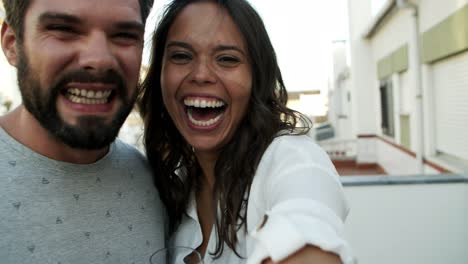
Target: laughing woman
point(241, 180)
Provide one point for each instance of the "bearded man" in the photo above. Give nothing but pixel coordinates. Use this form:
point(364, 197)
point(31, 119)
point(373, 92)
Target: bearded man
point(70, 192)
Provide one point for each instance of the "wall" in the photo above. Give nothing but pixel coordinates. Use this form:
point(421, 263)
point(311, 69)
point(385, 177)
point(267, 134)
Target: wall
point(392, 159)
point(8, 81)
point(408, 224)
point(366, 150)
point(339, 111)
point(396, 162)
point(434, 11)
point(8, 75)
point(392, 35)
point(347, 129)
point(363, 88)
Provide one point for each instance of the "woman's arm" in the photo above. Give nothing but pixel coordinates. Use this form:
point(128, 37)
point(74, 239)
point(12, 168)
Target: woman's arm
point(308, 255)
point(300, 194)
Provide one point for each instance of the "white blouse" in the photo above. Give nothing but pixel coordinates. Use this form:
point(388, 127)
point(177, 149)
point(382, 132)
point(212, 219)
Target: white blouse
point(296, 199)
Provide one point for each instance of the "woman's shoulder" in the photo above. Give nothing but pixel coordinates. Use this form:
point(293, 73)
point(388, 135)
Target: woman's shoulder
point(293, 157)
point(286, 138)
point(292, 146)
point(296, 167)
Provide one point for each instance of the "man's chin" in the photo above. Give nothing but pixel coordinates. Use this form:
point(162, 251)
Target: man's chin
point(87, 140)
point(91, 133)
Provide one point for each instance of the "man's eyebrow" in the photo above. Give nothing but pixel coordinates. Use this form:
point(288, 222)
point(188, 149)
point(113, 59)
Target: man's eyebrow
point(130, 25)
point(67, 18)
point(51, 16)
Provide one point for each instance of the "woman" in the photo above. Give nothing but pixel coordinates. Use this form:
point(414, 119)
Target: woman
point(240, 180)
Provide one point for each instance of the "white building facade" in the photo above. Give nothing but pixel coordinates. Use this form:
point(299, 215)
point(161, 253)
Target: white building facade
point(406, 89)
point(340, 94)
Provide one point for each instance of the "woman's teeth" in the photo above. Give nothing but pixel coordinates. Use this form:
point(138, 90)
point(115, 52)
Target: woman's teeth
point(201, 103)
point(198, 108)
point(82, 96)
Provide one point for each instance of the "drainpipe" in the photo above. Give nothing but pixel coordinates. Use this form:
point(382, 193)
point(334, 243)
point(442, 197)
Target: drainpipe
point(415, 55)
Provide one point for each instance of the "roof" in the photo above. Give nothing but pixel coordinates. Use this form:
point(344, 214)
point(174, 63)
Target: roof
point(295, 95)
point(384, 14)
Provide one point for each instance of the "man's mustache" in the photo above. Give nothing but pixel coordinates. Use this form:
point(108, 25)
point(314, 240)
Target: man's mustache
point(83, 76)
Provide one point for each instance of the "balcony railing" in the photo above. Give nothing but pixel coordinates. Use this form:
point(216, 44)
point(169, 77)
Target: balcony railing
point(340, 149)
point(408, 219)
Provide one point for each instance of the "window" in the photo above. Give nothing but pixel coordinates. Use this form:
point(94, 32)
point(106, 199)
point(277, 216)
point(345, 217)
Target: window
point(386, 102)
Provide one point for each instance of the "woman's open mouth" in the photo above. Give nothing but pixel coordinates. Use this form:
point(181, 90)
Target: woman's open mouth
point(204, 111)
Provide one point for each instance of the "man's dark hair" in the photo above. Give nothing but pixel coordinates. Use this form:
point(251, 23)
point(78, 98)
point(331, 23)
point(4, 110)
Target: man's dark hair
point(16, 9)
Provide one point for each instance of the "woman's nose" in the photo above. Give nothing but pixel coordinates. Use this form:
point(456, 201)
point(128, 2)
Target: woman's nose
point(202, 72)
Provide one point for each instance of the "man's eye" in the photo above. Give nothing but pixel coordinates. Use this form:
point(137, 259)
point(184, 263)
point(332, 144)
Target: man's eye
point(226, 60)
point(126, 35)
point(61, 28)
point(180, 57)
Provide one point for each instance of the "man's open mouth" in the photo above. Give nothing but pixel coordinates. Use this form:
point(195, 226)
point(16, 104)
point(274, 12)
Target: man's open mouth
point(89, 96)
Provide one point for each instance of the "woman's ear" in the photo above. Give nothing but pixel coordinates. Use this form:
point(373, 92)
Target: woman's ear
point(9, 44)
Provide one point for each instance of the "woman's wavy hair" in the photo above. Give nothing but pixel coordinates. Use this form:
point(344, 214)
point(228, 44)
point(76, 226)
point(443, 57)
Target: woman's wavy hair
point(266, 117)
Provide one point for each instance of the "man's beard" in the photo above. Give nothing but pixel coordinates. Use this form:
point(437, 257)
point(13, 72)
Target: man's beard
point(90, 132)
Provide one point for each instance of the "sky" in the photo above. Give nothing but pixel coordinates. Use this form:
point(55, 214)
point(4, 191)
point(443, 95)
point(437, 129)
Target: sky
point(377, 5)
point(301, 32)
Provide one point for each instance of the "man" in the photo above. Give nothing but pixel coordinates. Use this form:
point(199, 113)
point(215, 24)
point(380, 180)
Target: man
point(68, 194)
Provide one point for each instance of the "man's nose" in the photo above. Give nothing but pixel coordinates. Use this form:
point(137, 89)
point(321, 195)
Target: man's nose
point(97, 54)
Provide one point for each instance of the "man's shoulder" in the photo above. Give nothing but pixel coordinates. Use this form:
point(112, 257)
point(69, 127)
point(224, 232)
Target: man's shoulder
point(125, 151)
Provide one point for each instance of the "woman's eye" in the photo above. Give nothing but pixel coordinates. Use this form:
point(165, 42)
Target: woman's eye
point(180, 57)
point(228, 60)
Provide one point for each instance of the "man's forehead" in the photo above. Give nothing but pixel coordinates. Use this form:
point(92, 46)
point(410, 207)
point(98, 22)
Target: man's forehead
point(124, 9)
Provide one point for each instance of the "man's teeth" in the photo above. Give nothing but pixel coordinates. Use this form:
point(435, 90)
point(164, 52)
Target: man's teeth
point(202, 123)
point(201, 103)
point(81, 100)
point(91, 94)
point(82, 96)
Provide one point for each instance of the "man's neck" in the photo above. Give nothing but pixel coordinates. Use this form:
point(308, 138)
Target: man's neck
point(24, 128)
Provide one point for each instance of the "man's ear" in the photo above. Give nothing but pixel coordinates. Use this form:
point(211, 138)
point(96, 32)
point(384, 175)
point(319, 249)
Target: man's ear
point(9, 44)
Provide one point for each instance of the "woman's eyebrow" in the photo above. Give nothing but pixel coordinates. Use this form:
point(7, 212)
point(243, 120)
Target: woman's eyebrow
point(229, 47)
point(218, 48)
point(179, 44)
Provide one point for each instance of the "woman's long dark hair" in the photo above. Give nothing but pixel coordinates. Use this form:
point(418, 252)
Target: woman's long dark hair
point(176, 169)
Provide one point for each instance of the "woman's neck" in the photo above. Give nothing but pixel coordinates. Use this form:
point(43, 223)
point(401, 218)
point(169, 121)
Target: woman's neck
point(207, 162)
point(205, 203)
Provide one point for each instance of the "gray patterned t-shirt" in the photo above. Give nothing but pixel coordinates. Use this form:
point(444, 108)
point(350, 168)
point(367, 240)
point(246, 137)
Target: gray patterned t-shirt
point(59, 213)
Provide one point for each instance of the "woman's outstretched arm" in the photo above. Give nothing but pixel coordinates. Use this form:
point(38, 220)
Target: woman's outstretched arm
point(308, 255)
